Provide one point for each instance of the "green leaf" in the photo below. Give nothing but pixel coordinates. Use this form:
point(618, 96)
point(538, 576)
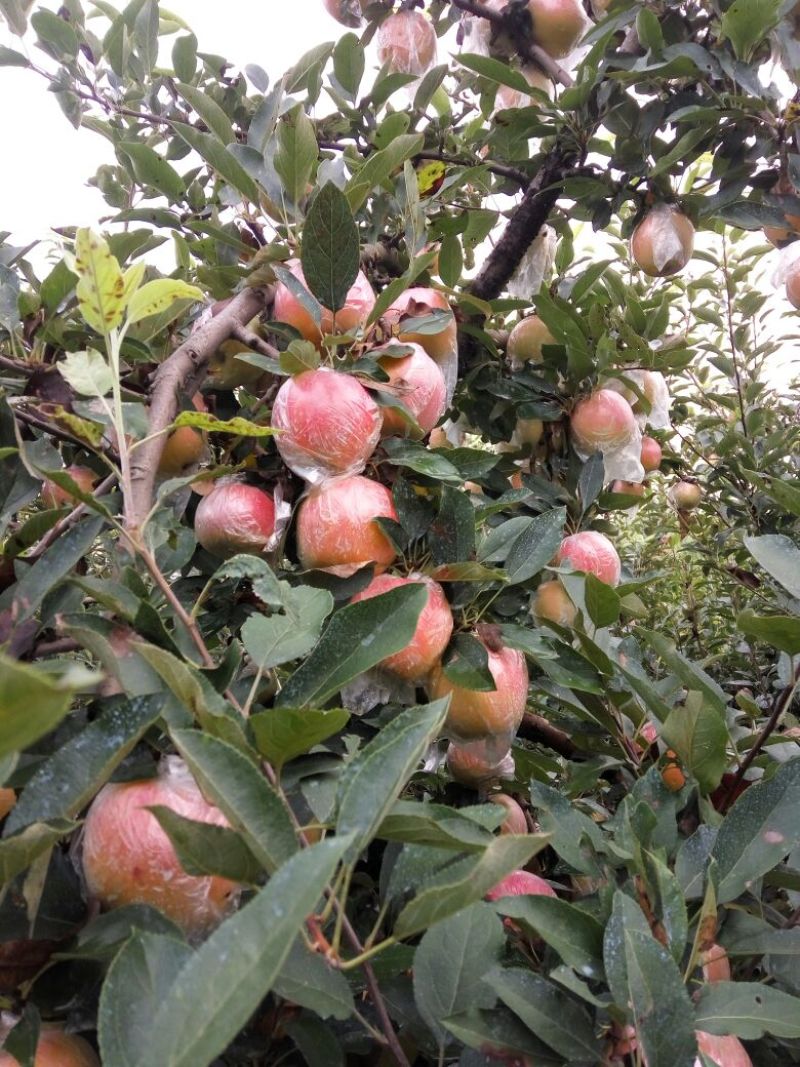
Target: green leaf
point(17, 853)
point(184, 57)
point(357, 638)
point(573, 835)
point(747, 1009)
point(602, 602)
point(348, 63)
point(330, 252)
point(210, 1000)
point(747, 22)
point(560, 1020)
point(535, 546)
point(780, 631)
point(574, 934)
point(23, 688)
point(149, 168)
point(87, 372)
point(380, 166)
point(308, 980)
point(55, 33)
point(452, 536)
point(451, 961)
point(209, 111)
point(645, 980)
point(157, 296)
point(759, 830)
point(100, 285)
point(275, 639)
point(51, 568)
point(433, 824)
point(65, 783)
point(501, 857)
point(242, 794)
point(282, 734)
point(374, 778)
point(780, 557)
point(138, 980)
point(296, 157)
point(237, 426)
point(204, 849)
point(10, 58)
point(219, 159)
point(692, 676)
point(494, 70)
point(700, 737)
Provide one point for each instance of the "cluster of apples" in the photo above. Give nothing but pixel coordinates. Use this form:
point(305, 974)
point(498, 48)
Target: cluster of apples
point(406, 39)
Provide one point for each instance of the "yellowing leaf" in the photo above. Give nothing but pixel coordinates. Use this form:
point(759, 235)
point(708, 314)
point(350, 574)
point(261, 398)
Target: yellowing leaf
point(430, 177)
point(101, 287)
point(239, 426)
point(157, 296)
point(132, 279)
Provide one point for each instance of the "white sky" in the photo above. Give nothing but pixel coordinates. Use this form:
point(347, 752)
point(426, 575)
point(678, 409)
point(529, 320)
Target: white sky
point(46, 162)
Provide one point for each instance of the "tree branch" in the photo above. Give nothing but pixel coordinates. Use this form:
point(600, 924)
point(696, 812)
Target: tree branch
point(183, 371)
point(252, 340)
point(537, 728)
point(523, 226)
point(526, 48)
point(782, 702)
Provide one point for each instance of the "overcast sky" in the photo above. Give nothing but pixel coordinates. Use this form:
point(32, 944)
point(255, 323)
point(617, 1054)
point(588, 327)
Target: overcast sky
point(46, 163)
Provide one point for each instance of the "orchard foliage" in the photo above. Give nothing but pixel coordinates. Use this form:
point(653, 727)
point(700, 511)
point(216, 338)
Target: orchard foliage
point(320, 743)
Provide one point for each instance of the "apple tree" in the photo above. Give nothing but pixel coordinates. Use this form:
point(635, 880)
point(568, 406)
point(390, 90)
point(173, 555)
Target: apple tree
point(399, 596)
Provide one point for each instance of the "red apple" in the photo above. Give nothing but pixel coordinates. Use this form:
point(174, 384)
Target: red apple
point(235, 517)
point(184, 448)
point(128, 859)
point(725, 1051)
point(407, 43)
point(602, 422)
point(515, 821)
point(416, 303)
point(593, 553)
point(552, 602)
point(434, 627)
point(521, 884)
point(53, 496)
point(685, 496)
point(663, 242)
point(329, 424)
point(477, 763)
point(526, 340)
point(8, 799)
point(57, 1049)
point(336, 528)
point(651, 454)
point(497, 712)
point(348, 12)
point(628, 488)
point(558, 25)
point(419, 386)
point(358, 305)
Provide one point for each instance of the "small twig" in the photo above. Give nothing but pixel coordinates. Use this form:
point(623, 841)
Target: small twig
point(782, 701)
point(182, 372)
point(501, 169)
point(536, 728)
point(252, 340)
point(526, 48)
point(19, 366)
point(68, 521)
point(54, 648)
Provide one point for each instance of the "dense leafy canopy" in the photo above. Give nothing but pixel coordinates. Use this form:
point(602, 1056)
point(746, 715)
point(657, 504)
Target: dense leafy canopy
point(649, 733)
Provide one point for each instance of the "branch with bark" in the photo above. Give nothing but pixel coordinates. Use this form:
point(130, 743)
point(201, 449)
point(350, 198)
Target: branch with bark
point(536, 728)
point(181, 374)
point(523, 226)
